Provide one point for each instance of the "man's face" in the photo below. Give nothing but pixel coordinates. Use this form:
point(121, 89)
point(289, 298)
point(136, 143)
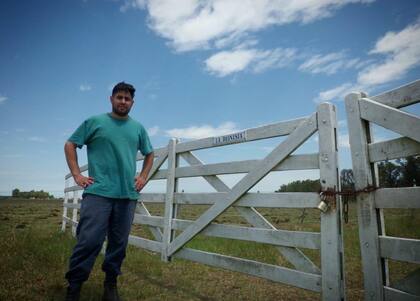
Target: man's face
point(121, 103)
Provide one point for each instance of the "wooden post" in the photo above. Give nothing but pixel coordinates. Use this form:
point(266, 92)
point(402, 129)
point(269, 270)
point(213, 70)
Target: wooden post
point(366, 213)
point(170, 207)
point(331, 227)
point(66, 200)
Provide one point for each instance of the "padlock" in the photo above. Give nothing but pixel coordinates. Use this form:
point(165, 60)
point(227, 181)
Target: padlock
point(322, 206)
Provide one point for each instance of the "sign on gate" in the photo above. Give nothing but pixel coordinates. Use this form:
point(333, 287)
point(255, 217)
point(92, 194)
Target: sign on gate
point(232, 138)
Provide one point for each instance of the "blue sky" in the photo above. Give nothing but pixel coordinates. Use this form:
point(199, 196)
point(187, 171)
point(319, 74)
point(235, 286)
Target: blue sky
point(201, 68)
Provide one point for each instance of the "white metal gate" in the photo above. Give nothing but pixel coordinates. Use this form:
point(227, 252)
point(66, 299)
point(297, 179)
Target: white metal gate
point(376, 246)
point(327, 279)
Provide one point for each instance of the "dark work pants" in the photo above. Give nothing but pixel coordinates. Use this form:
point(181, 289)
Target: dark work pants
point(100, 216)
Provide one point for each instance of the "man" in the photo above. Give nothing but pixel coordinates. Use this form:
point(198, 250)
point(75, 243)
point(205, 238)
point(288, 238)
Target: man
point(110, 190)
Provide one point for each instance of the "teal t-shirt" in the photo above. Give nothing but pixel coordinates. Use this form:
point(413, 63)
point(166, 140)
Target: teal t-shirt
point(112, 146)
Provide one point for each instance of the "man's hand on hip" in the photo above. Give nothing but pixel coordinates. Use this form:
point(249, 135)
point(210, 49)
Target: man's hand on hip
point(139, 182)
point(83, 181)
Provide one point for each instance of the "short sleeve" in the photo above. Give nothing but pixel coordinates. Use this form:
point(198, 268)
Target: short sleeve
point(145, 146)
point(82, 134)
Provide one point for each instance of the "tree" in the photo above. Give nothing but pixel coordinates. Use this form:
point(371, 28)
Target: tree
point(15, 192)
point(389, 174)
point(410, 171)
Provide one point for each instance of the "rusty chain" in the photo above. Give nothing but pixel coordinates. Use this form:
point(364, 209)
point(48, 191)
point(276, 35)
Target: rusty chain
point(329, 197)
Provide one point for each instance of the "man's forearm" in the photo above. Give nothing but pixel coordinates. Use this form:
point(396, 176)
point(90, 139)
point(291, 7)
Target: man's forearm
point(147, 165)
point(71, 158)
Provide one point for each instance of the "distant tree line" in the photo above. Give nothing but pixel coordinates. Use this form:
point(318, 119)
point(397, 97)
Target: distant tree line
point(31, 194)
point(396, 173)
point(301, 186)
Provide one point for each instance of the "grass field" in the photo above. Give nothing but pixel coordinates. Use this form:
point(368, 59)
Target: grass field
point(34, 257)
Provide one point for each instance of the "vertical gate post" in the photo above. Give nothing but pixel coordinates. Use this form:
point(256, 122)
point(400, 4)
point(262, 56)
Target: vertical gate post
point(366, 213)
point(66, 200)
point(170, 206)
point(331, 227)
point(75, 202)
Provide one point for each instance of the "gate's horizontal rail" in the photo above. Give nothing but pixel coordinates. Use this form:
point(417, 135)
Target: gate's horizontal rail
point(73, 188)
point(268, 271)
point(403, 249)
point(295, 162)
point(309, 240)
point(250, 199)
point(144, 243)
point(71, 205)
point(150, 220)
point(404, 197)
point(393, 149)
point(267, 131)
point(400, 97)
point(82, 169)
point(392, 294)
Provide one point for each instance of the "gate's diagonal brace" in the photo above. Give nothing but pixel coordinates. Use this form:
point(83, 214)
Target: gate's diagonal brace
point(395, 120)
point(293, 141)
point(296, 257)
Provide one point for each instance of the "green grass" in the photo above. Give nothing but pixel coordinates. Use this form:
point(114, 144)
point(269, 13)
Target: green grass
point(34, 258)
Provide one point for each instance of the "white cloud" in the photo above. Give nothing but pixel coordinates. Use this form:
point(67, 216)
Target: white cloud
point(402, 53)
point(196, 24)
point(153, 131)
point(226, 62)
point(232, 25)
point(37, 139)
point(85, 87)
point(336, 93)
point(196, 132)
point(3, 99)
point(402, 50)
point(329, 63)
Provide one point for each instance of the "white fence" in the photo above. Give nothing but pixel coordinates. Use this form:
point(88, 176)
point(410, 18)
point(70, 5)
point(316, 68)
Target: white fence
point(171, 234)
point(376, 246)
point(328, 279)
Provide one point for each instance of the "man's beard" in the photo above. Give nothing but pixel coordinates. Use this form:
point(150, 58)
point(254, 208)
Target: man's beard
point(121, 113)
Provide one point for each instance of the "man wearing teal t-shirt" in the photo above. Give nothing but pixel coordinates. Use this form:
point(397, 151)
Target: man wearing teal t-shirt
point(110, 191)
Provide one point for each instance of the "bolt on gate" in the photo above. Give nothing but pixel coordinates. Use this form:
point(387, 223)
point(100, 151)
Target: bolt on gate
point(376, 247)
point(171, 234)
